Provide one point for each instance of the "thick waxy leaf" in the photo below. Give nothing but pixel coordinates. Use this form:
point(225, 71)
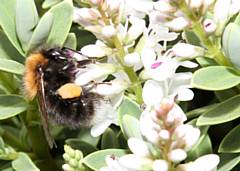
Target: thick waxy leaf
point(62, 21)
point(41, 32)
point(26, 20)
point(96, 160)
point(49, 3)
point(231, 43)
point(129, 107)
point(11, 105)
point(131, 127)
point(231, 142)
point(215, 78)
point(24, 163)
point(7, 22)
point(228, 161)
point(11, 66)
point(7, 50)
point(71, 41)
point(109, 139)
point(224, 112)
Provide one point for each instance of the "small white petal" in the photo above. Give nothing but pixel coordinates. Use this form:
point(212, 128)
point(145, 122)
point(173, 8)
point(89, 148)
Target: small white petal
point(136, 29)
point(148, 57)
point(185, 94)
point(221, 15)
point(207, 162)
point(153, 93)
point(176, 116)
point(132, 59)
point(99, 128)
point(160, 165)
point(95, 51)
point(164, 134)
point(94, 72)
point(187, 50)
point(177, 155)
point(111, 88)
point(189, 64)
point(108, 31)
point(138, 147)
point(177, 24)
point(135, 162)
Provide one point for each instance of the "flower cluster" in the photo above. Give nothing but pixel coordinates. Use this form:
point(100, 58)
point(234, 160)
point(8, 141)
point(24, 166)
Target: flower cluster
point(73, 159)
point(135, 53)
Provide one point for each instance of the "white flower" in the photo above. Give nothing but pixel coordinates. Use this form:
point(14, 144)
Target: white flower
point(85, 16)
point(113, 164)
point(136, 162)
point(187, 50)
point(160, 165)
point(96, 51)
point(94, 72)
point(204, 163)
point(194, 3)
point(186, 136)
point(177, 24)
point(108, 31)
point(230, 7)
point(132, 59)
point(177, 155)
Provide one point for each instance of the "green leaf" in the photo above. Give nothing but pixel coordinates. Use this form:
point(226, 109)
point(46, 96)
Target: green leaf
point(71, 41)
point(203, 145)
point(223, 112)
point(231, 43)
point(199, 111)
point(8, 51)
point(228, 161)
point(62, 14)
point(129, 107)
point(131, 127)
point(26, 20)
point(11, 66)
point(96, 160)
point(85, 147)
point(215, 78)
point(205, 62)
point(226, 94)
point(85, 136)
point(109, 139)
point(231, 142)
point(7, 22)
point(11, 105)
point(41, 32)
point(50, 3)
point(24, 163)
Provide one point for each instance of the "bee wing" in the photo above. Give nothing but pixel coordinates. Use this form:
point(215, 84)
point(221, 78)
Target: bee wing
point(43, 109)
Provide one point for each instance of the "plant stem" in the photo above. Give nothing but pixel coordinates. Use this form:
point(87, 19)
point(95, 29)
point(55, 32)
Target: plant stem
point(37, 137)
point(198, 29)
point(136, 84)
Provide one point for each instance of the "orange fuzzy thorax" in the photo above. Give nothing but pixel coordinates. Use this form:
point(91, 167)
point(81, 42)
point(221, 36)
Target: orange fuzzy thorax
point(31, 77)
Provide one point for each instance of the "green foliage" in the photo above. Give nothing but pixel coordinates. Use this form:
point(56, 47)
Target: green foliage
point(96, 160)
point(215, 78)
point(224, 112)
point(23, 163)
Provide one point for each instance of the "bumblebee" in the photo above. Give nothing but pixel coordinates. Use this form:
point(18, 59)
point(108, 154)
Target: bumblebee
point(49, 76)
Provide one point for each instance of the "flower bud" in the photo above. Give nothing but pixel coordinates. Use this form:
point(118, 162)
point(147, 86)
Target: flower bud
point(164, 135)
point(177, 24)
point(67, 167)
point(95, 51)
point(209, 26)
point(160, 165)
point(177, 155)
point(187, 50)
point(132, 59)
